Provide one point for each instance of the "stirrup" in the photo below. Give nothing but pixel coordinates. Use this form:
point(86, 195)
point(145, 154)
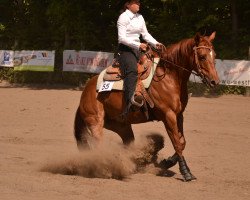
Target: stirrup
point(136, 103)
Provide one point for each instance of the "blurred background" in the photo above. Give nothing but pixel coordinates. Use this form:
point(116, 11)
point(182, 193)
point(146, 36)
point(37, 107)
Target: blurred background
point(91, 25)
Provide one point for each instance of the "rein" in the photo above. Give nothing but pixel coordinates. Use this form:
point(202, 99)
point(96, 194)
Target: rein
point(199, 73)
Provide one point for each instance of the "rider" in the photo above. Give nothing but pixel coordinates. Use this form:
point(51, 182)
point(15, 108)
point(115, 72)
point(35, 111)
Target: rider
point(131, 26)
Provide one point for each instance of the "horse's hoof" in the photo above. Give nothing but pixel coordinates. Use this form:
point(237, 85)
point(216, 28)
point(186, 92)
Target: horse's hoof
point(189, 177)
point(169, 162)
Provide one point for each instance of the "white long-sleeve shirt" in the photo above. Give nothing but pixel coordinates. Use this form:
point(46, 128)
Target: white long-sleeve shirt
point(130, 27)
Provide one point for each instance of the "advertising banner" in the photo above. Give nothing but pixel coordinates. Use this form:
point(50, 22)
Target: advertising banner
point(6, 58)
point(231, 72)
point(34, 60)
point(86, 61)
point(234, 72)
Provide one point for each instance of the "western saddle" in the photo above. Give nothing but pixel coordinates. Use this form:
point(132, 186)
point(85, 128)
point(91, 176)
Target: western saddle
point(113, 73)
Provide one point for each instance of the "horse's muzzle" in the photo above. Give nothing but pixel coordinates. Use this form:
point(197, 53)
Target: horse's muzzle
point(210, 82)
point(214, 83)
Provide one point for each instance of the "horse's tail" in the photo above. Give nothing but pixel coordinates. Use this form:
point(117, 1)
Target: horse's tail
point(80, 131)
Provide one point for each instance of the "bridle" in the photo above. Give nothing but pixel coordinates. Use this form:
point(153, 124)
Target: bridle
point(198, 66)
point(199, 71)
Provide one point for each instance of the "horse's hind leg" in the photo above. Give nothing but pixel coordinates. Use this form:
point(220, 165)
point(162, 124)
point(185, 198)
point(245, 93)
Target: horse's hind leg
point(80, 131)
point(123, 130)
point(88, 131)
point(89, 118)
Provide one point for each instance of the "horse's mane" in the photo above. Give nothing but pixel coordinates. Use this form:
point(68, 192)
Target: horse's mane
point(179, 52)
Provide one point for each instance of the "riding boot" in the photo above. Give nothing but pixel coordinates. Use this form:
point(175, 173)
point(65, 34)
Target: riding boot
point(133, 101)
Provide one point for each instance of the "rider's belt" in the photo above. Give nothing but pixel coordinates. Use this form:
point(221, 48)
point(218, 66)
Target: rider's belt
point(123, 47)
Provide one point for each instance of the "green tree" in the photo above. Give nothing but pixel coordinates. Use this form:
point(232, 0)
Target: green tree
point(91, 24)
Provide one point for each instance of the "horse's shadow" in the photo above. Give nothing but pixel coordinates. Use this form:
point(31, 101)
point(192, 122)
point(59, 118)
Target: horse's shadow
point(163, 172)
point(166, 173)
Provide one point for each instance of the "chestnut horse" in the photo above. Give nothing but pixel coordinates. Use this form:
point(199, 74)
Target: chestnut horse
point(168, 90)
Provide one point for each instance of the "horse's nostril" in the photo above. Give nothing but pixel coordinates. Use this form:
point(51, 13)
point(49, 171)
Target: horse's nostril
point(213, 82)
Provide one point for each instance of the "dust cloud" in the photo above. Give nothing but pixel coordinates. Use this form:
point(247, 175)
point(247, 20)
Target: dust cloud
point(109, 160)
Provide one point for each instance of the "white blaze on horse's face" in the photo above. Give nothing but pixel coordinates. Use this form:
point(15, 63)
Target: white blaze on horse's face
point(211, 54)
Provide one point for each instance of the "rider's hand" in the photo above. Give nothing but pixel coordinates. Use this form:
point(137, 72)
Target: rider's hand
point(143, 46)
point(158, 46)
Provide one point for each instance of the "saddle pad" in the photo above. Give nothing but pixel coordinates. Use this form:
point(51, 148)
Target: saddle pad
point(118, 85)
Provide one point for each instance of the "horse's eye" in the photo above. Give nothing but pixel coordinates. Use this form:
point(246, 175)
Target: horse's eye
point(202, 58)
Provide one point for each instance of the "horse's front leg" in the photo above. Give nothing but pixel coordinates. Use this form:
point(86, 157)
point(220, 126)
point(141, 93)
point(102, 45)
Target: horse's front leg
point(174, 127)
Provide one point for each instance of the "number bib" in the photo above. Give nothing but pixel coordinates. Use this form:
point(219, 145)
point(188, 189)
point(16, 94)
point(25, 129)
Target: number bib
point(106, 86)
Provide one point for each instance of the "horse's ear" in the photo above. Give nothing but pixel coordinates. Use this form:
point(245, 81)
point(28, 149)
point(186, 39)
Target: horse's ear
point(212, 36)
point(197, 38)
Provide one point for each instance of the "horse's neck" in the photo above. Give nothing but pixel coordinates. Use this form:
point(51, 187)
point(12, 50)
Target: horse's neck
point(181, 53)
point(182, 56)
point(173, 60)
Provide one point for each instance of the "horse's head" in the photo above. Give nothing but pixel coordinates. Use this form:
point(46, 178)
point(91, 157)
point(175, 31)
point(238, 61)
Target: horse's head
point(205, 59)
